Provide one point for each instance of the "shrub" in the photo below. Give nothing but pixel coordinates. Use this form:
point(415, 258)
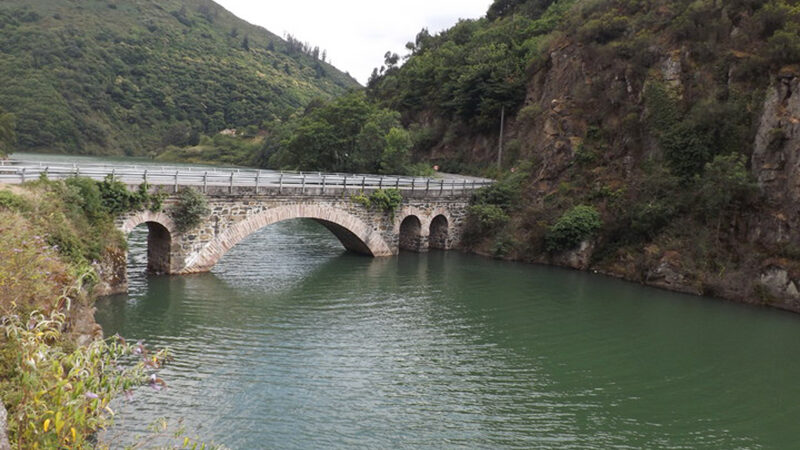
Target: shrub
point(502, 195)
point(686, 149)
point(725, 185)
point(649, 218)
point(576, 225)
point(89, 197)
point(784, 47)
point(485, 218)
point(190, 209)
point(386, 200)
point(604, 29)
point(30, 272)
point(9, 200)
point(503, 246)
point(117, 198)
point(529, 113)
point(61, 396)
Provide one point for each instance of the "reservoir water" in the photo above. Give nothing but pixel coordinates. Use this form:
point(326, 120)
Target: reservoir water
point(291, 343)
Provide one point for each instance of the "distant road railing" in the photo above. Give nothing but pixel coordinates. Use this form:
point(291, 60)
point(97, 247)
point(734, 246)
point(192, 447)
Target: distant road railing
point(15, 172)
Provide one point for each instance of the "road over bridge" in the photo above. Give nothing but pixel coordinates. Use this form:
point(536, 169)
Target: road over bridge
point(431, 215)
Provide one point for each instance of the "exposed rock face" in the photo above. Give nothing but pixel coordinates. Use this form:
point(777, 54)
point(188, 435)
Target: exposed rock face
point(778, 284)
point(4, 444)
point(776, 161)
point(668, 274)
point(579, 258)
point(776, 166)
point(112, 274)
point(671, 70)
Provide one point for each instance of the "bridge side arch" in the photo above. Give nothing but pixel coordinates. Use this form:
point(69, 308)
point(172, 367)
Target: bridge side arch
point(435, 229)
point(351, 231)
point(160, 230)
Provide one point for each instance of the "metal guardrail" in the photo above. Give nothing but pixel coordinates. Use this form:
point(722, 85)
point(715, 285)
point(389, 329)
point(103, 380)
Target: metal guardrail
point(15, 172)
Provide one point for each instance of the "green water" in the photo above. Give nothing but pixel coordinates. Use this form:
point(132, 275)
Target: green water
point(291, 343)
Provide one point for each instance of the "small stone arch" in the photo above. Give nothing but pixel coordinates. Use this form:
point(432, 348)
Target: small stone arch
point(351, 231)
point(141, 217)
point(439, 233)
point(406, 211)
point(411, 236)
point(160, 229)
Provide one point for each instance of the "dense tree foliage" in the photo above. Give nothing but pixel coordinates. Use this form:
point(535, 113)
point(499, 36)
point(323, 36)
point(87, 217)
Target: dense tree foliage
point(133, 77)
point(349, 134)
point(473, 70)
point(7, 131)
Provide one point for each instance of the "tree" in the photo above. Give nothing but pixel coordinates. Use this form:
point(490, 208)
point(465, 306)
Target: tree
point(246, 44)
point(390, 59)
point(394, 159)
point(724, 187)
point(349, 134)
point(7, 135)
point(501, 7)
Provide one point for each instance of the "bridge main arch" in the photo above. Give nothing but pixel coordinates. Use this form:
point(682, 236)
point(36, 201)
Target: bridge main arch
point(354, 234)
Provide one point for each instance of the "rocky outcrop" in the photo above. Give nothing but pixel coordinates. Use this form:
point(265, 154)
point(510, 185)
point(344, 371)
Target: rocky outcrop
point(776, 160)
point(776, 284)
point(111, 273)
point(579, 258)
point(4, 444)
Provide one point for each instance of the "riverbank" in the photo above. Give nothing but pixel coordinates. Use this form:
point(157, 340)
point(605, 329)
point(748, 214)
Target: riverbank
point(57, 374)
point(770, 284)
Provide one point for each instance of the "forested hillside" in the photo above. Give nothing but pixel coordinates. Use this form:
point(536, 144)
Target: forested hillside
point(650, 139)
point(133, 76)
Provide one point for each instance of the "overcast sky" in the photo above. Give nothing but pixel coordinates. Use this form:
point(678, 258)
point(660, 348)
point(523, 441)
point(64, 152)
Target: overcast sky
point(356, 33)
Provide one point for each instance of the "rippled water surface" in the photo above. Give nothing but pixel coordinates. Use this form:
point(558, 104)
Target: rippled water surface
point(292, 343)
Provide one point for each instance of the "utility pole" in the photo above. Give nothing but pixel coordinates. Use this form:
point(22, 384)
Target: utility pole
point(500, 144)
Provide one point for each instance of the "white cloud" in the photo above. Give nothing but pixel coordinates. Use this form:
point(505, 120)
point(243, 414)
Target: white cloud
point(356, 33)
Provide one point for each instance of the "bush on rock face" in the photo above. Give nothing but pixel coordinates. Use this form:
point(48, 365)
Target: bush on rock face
point(572, 228)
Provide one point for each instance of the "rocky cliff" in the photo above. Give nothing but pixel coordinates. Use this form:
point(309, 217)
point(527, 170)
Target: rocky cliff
point(676, 121)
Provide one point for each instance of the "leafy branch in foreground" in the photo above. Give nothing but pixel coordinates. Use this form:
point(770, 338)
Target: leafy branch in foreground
point(58, 395)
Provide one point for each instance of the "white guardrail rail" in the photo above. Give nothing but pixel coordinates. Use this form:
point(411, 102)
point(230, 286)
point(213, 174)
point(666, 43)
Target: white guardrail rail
point(18, 171)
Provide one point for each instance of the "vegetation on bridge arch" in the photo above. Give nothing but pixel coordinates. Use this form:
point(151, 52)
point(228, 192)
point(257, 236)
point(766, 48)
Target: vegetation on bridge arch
point(386, 200)
point(190, 209)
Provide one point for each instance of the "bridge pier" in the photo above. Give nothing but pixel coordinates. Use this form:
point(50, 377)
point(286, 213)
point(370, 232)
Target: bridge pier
point(159, 249)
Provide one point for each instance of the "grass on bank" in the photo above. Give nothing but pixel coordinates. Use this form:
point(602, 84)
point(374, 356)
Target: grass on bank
point(57, 392)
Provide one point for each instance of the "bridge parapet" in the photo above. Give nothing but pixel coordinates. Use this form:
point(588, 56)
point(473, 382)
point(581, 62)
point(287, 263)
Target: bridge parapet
point(240, 180)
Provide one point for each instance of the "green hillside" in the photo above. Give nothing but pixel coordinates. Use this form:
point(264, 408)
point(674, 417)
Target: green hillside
point(133, 76)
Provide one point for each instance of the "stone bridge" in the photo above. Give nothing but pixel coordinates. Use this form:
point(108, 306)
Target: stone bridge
point(242, 201)
point(423, 221)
